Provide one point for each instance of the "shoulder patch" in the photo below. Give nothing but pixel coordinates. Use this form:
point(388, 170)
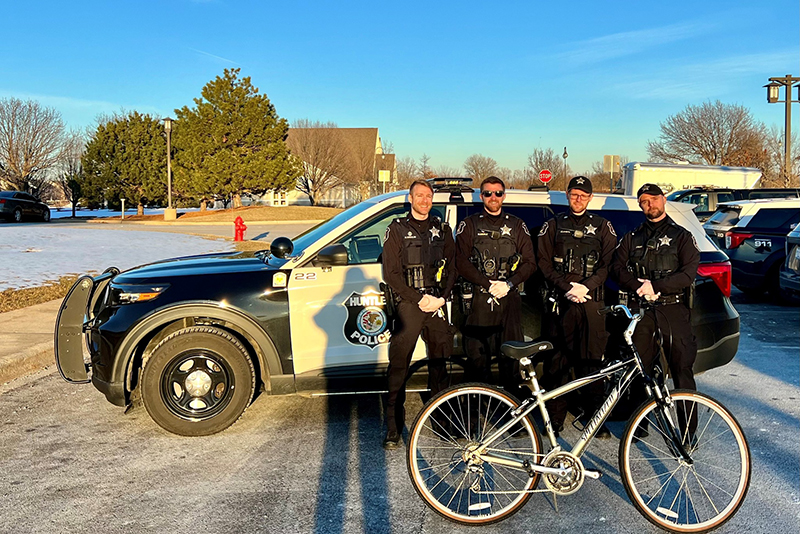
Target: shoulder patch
point(386, 234)
point(611, 229)
point(461, 226)
point(694, 242)
point(525, 229)
point(544, 228)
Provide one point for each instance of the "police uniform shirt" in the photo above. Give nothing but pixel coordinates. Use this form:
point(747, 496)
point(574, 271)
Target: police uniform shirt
point(687, 251)
point(509, 226)
point(591, 225)
point(393, 254)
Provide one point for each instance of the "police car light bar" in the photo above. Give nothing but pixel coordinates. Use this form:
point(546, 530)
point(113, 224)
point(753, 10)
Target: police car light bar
point(455, 186)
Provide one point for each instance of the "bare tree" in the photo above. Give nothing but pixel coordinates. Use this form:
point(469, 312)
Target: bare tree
point(68, 178)
point(425, 170)
point(774, 161)
point(323, 154)
point(31, 137)
point(542, 159)
point(712, 133)
point(407, 172)
point(479, 167)
point(514, 179)
point(445, 171)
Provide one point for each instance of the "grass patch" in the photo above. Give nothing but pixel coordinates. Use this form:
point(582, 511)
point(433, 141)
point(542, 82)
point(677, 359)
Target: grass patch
point(15, 299)
point(248, 213)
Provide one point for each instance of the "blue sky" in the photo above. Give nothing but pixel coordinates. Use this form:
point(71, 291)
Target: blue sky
point(449, 79)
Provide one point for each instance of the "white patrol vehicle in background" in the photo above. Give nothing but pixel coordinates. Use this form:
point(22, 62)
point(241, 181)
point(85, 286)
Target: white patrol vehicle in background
point(196, 338)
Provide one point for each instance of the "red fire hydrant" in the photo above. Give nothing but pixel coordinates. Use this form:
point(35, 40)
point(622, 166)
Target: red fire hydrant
point(239, 229)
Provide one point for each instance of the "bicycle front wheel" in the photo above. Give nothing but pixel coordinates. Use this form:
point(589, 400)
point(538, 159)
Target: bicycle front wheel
point(672, 493)
point(450, 427)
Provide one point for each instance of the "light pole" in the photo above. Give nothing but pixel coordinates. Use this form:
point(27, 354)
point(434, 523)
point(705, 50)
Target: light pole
point(169, 213)
point(773, 96)
point(565, 156)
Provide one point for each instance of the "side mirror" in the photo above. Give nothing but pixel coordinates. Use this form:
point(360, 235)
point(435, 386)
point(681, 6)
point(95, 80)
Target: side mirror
point(332, 255)
point(281, 247)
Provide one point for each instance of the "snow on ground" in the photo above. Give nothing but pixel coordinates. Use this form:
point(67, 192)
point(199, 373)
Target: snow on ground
point(60, 213)
point(33, 254)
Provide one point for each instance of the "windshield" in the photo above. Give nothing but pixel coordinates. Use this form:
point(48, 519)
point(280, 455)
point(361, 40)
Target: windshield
point(314, 233)
point(725, 216)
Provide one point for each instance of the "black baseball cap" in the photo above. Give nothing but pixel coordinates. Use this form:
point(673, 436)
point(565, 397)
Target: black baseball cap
point(582, 183)
point(649, 189)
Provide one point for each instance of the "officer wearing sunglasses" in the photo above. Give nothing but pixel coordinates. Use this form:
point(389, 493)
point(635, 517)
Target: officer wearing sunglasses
point(494, 253)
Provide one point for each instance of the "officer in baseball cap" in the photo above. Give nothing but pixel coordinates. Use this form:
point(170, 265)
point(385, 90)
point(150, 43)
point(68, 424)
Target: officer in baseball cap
point(575, 252)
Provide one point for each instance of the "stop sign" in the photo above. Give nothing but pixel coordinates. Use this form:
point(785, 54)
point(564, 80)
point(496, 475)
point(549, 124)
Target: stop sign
point(545, 176)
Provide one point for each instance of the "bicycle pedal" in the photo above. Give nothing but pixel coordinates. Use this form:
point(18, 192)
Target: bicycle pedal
point(592, 474)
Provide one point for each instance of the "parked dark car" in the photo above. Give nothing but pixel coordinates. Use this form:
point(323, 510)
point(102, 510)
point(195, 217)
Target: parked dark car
point(707, 199)
point(17, 206)
point(195, 338)
point(753, 235)
point(790, 274)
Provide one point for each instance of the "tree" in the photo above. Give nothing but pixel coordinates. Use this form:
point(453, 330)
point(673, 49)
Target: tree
point(126, 157)
point(542, 159)
point(479, 167)
point(712, 133)
point(31, 138)
point(69, 178)
point(445, 171)
point(407, 171)
point(232, 142)
point(323, 156)
point(514, 179)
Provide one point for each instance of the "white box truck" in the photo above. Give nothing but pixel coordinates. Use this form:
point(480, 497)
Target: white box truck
point(675, 176)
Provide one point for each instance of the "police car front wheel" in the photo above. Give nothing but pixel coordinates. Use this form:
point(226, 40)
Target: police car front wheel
point(198, 381)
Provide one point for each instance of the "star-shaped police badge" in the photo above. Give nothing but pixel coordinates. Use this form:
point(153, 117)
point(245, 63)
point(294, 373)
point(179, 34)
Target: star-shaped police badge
point(590, 230)
point(434, 232)
point(580, 181)
point(505, 230)
point(664, 241)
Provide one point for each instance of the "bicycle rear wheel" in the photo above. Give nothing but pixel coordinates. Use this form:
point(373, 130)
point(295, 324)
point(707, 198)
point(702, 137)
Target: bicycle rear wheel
point(671, 493)
point(448, 427)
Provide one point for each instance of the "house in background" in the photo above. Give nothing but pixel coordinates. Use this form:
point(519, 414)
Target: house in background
point(345, 161)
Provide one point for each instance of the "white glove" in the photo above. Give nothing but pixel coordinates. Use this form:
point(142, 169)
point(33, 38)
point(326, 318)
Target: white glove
point(498, 289)
point(578, 293)
point(646, 289)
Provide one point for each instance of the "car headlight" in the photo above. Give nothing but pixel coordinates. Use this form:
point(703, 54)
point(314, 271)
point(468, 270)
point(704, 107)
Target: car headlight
point(130, 293)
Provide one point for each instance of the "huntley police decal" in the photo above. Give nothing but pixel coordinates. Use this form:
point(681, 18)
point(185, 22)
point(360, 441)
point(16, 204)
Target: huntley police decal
point(366, 319)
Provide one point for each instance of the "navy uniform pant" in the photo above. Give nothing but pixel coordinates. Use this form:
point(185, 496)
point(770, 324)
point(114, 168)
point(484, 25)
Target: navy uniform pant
point(579, 335)
point(488, 327)
point(410, 322)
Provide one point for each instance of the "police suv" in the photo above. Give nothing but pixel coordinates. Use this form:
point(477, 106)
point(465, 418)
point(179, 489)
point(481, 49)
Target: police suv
point(195, 338)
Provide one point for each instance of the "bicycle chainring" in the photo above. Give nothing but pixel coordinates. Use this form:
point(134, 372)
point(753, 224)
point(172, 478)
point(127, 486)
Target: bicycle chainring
point(570, 482)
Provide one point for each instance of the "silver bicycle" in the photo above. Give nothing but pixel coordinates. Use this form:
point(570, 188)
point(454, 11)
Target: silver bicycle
point(475, 455)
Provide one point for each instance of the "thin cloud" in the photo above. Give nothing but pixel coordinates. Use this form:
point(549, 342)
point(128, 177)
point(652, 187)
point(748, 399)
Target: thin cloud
point(218, 58)
point(629, 43)
point(690, 82)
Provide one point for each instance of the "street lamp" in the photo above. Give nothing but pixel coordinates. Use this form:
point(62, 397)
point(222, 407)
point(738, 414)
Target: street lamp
point(773, 96)
point(565, 156)
point(169, 213)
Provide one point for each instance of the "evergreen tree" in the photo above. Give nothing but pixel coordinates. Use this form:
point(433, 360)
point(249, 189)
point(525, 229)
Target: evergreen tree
point(232, 142)
point(126, 158)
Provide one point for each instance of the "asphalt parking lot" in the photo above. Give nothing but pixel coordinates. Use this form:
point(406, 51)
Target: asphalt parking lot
point(72, 462)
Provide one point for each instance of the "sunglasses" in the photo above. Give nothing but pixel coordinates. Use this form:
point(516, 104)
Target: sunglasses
point(488, 194)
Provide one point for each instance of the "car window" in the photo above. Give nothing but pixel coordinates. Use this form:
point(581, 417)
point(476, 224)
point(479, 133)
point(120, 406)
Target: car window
point(725, 217)
point(775, 219)
point(365, 243)
point(725, 197)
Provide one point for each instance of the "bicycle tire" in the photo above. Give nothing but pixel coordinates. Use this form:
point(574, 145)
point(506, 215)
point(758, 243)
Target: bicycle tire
point(447, 426)
point(669, 492)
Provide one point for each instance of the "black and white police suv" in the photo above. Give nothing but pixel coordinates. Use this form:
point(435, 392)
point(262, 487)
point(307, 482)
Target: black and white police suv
point(196, 337)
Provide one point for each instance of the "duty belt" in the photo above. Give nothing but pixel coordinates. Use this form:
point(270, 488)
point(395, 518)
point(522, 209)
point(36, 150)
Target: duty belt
point(663, 300)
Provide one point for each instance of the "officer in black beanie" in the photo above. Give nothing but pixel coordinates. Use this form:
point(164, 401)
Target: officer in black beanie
point(575, 252)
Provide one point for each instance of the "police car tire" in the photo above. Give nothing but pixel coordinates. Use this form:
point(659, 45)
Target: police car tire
point(222, 368)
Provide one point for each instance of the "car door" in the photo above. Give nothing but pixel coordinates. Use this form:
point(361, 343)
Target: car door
point(337, 314)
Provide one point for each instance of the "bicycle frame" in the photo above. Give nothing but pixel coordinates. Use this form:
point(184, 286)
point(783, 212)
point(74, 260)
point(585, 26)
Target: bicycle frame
point(633, 367)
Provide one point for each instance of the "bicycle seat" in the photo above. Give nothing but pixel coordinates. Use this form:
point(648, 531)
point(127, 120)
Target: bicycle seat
point(523, 349)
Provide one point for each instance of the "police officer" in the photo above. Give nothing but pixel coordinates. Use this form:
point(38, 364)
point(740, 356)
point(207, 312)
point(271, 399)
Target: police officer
point(494, 253)
point(658, 262)
point(575, 252)
point(419, 267)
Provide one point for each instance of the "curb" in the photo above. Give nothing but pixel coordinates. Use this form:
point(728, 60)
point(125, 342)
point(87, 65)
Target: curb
point(30, 360)
point(210, 223)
